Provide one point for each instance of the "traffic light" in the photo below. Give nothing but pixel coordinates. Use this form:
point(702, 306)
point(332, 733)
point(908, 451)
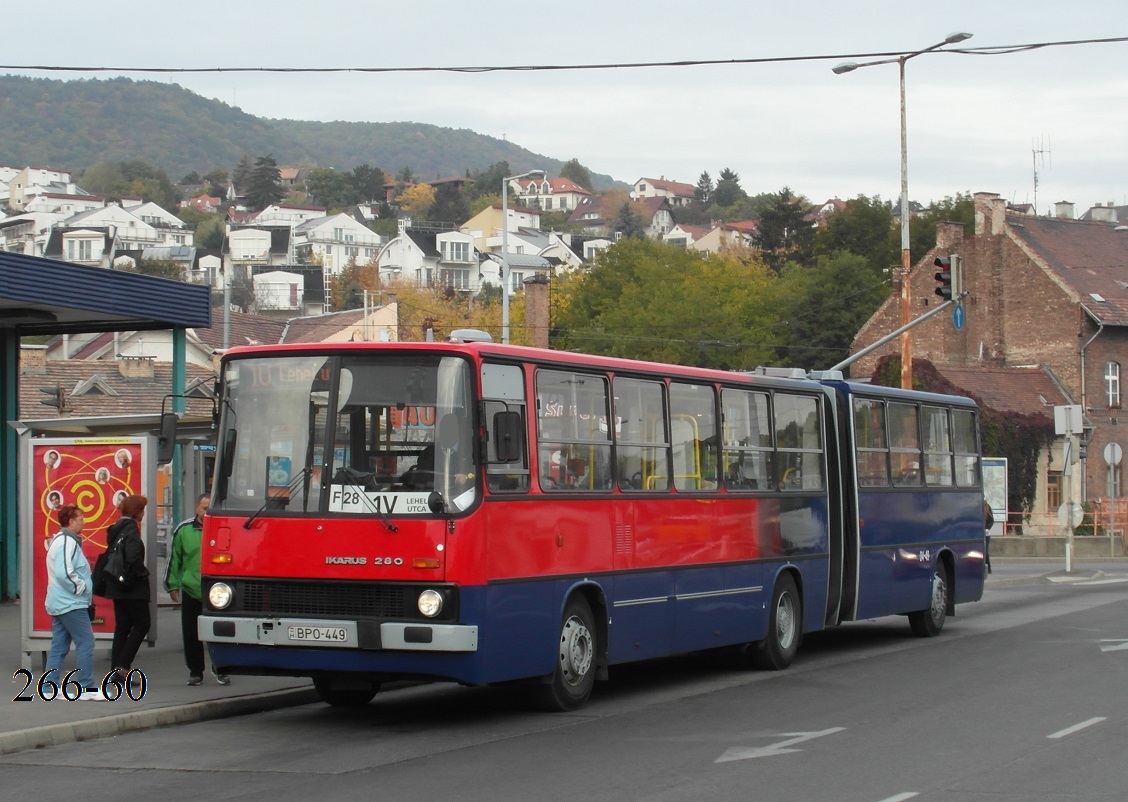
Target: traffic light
point(948, 276)
point(58, 398)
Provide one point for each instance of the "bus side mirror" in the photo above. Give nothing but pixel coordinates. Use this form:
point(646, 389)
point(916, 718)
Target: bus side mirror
point(166, 442)
point(508, 436)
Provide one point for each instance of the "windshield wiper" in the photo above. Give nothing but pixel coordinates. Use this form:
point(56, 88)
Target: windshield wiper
point(355, 478)
point(279, 500)
point(350, 476)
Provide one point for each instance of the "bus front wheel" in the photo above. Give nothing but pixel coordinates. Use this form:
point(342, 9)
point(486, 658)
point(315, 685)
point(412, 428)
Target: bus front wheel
point(575, 651)
point(928, 623)
point(785, 627)
point(341, 695)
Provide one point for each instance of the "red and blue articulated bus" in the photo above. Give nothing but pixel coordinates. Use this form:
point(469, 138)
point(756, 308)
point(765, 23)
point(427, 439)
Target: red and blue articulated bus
point(488, 513)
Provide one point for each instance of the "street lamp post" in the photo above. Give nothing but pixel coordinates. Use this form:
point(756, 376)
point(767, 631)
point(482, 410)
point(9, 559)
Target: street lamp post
point(505, 248)
point(906, 258)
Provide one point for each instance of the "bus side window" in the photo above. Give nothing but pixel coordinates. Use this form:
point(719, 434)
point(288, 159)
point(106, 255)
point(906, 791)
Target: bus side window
point(798, 442)
point(503, 416)
point(573, 432)
point(869, 438)
point(904, 441)
point(693, 425)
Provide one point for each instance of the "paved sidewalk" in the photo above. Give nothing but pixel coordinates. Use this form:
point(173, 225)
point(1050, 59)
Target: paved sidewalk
point(169, 700)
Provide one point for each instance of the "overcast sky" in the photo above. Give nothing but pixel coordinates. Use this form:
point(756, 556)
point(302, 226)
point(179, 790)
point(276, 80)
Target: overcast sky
point(975, 122)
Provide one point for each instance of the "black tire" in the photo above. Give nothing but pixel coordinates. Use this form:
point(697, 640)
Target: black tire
point(928, 623)
point(350, 696)
point(576, 649)
point(785, 627)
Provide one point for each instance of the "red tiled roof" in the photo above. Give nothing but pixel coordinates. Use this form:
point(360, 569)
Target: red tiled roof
point(1090, 257)
point(1020, 389)
point(676, 187)
point(562, 184)
point(135, 396)
point(245, 329)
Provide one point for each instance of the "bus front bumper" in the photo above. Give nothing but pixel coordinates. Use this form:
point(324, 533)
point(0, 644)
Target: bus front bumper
point(374, 635)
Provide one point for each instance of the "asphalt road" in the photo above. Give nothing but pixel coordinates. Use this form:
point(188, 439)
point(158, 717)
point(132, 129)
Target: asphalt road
point(1021, 698)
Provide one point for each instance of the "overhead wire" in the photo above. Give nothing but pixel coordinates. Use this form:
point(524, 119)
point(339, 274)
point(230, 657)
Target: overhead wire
point(994, 50)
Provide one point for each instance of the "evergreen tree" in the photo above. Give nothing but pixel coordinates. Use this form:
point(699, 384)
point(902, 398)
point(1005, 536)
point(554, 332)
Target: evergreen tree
point(577, 173)
point(331, 189)
point(449, 206)
point(488, 181)
point(368, 183)
point(728, 189)
point(628, 224)
point(265, 187)
point(241, 176)
point(784, 235)
point(703, 194)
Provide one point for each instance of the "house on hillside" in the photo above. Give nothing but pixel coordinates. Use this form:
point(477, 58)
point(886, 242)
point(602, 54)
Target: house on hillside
point(597, 216)
point(1041, 291)
point(557, 194)
point(27, 233)
point(31, 181)
point(708, 239)
point(289, 290)
point(676, 193)
point(249, 246)
point(485, 226)
point(333, 241)
point(821, 216)
point(63, 204)
point(431, 256)
point(276, 214)
point(97, 236)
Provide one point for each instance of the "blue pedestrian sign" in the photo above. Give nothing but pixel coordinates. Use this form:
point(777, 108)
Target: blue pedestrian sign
point(958, 316)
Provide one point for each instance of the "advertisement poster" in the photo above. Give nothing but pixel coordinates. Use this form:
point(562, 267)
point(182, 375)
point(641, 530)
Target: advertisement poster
point(95, 474)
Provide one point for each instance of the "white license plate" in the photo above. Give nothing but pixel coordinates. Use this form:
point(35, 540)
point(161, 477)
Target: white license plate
point(318, 634)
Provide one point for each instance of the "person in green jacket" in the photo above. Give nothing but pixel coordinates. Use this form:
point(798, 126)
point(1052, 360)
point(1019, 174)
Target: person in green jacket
point(182, 581)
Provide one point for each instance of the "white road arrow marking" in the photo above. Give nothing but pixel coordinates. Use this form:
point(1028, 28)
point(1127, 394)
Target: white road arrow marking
point(1116, 645)
point(746, 752)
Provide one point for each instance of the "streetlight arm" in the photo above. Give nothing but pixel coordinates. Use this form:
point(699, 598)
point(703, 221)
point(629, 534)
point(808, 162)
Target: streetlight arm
point(906, 258)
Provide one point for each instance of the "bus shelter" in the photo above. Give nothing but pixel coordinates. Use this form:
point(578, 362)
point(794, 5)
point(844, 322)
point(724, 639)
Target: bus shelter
point(47, 297)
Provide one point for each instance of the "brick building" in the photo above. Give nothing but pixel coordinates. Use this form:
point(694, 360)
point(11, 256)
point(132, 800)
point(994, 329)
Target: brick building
point(1050, 293)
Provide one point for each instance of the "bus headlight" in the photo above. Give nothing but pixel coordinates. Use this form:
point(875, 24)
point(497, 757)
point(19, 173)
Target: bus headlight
point(430, 603)
point(220, 595)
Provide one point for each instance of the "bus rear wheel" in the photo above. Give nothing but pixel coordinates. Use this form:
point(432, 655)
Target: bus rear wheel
point(338, 694)
point(785, 628)
point(928, 623)
point(575, 651)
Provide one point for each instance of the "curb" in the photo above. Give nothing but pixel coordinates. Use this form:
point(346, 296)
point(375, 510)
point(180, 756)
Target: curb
point(89, 729)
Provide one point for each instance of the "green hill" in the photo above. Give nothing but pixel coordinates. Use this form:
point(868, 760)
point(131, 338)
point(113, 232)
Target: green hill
point(73, 124)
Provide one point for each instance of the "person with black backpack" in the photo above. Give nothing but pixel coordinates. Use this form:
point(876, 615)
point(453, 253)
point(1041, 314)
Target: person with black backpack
point(130, 590)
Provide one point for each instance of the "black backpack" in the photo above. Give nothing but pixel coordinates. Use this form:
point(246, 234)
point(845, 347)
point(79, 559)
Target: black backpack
point(110, 565)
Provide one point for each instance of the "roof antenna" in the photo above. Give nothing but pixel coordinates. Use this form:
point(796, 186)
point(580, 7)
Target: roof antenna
point(1038, 151)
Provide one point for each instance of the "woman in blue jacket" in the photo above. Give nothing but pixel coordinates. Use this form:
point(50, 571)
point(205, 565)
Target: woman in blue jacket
point(68, 601)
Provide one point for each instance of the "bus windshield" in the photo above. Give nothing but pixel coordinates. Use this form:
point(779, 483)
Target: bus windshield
point(349, 434)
